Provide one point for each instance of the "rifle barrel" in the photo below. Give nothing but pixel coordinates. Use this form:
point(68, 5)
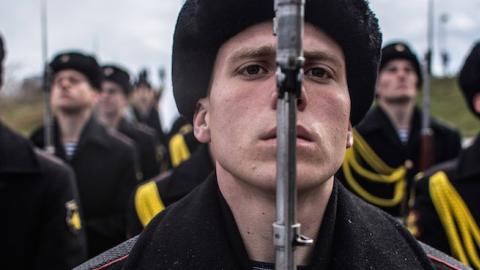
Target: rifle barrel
point(47, 112)
point(288, 26)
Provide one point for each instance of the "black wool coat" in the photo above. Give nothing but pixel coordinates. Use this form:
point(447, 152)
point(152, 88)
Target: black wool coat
point(38, 198)
point(147, 146)
point(380, 134)
point(106, 171)
point(464, 175)
point(200, 232)
point(152, 120)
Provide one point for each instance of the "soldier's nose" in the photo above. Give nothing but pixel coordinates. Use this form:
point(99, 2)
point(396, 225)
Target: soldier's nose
point(302, 100)
point(274, 98)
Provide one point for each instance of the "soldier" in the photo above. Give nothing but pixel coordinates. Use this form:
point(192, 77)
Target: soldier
point(446, 212)
point(154, 196)
point(116, 89)
point(385, 157)
point(103, 160)
point(144, 106)
point(41, 224)
point(224, 82)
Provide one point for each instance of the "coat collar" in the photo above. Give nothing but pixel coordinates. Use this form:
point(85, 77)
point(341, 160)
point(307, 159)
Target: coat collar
point(92, 132)
point(323, 244)
point(16, 155)
point(124, 125)
point(377, 120)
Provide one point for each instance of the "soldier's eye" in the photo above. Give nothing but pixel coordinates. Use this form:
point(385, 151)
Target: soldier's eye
point(409, 70)
point(318, 73)
point(74, 81)
point(391, 69)
point(253, 70)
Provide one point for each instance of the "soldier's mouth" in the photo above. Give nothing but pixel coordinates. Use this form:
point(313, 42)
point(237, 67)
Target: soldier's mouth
point(302, 134)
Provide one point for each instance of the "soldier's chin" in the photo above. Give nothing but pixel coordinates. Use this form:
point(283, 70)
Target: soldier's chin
point(398, 100)
point(71, 109)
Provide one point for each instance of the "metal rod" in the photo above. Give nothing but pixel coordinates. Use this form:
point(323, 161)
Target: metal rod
point(428, 71)
point(47, 114)
point(288, 26)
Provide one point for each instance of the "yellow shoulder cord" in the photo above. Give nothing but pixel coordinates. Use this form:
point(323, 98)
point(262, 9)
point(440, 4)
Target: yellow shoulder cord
point(382, 173)
point(185, 129)
point(452, 210)
point(178, 149)
point(148, 202)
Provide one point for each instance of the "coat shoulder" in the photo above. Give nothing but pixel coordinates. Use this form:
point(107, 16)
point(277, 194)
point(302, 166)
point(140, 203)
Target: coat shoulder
point(443, 128)
point(111, 259)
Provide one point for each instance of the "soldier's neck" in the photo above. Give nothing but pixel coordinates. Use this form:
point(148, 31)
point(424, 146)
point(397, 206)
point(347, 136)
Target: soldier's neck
point(110, 121)
point(144, 109)
point(254, 211)
point(399, 114)
point(71, 125)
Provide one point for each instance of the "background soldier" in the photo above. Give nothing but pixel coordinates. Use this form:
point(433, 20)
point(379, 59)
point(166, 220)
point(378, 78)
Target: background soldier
point(446, 213)
point(144, 106)
point(386, 153)
point(41, 225)
point(116, 88)
point(154, 196)
point(224, 82)
point(103, 161)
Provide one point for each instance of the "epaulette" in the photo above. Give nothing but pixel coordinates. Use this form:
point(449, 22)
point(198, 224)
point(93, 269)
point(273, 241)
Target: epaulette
point(442, 261)
point(148, 202)
point(110, 259)
point(121, 137)
point(178, 148)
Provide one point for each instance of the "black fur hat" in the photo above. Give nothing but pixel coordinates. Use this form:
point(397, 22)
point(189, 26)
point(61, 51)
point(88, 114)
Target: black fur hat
point(2, 56)
point(143, 80)
point(119, 76)
point(469, 78)
point(83, 63)
point(400, 50)
point(204, 25)
point(2, 50)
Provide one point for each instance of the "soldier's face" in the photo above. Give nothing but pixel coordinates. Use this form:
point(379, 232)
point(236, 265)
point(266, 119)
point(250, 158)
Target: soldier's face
point(238, 118)
point(71, 92)
point(112, 101)
point(143, 96)
point(397, 79)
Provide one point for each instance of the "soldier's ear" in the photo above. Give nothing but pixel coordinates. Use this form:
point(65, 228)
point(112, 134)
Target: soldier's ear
point(349, 136)
point(95, 97)
point(201, 128)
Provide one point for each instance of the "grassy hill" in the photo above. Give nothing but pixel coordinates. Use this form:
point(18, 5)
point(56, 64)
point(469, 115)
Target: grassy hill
point(22, 115)
point(447, 104)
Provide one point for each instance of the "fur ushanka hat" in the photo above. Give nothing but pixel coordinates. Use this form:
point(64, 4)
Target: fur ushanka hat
point(119, 76)
point(83, 63)
point(400, 50)
point(204, 25)
point(469, 78)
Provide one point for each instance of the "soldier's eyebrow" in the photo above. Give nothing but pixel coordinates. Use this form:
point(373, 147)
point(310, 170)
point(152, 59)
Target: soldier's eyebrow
point(312, 56)
point(265, 52)
point(269, 52)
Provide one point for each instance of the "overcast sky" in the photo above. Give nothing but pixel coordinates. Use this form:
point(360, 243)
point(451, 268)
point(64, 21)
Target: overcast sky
point(138, 33)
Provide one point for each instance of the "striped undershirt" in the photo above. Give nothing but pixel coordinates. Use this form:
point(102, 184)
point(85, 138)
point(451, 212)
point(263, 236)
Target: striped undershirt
point(70, 149)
